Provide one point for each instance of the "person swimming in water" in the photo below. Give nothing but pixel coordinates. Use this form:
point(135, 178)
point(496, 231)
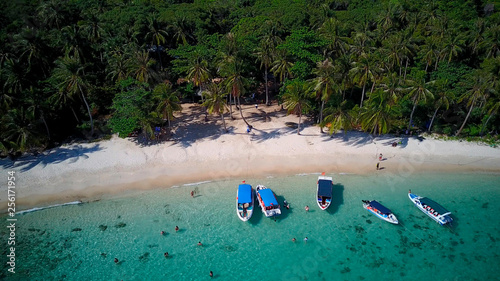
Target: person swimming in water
point(116, 260)
point(176, 228)
point(166, 254)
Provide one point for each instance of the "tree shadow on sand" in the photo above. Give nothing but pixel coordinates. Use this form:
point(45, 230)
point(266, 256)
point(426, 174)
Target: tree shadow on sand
point(337, 198)
point(54, 156)
point(263, 135)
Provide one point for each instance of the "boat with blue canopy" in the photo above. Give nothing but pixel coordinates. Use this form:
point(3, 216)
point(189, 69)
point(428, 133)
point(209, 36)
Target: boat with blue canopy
point(432, 209)
point(244, 201)
point(324, 191)
point(380, 211)
point(268, 202)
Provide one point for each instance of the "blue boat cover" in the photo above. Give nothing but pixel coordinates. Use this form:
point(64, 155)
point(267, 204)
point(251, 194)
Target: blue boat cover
point(268, 197)
point(325, 188)
point(244, 194)
point(379, 207)
point(438, 208)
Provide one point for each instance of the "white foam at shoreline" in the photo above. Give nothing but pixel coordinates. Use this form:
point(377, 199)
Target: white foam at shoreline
point(47, 207)
point(196, 183)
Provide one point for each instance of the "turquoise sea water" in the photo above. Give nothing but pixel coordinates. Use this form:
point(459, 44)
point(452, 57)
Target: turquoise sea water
point(345, 242)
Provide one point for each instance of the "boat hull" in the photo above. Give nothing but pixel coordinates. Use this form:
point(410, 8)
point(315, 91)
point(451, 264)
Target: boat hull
point(324, 201)
point(391, 218)
point(275, 211)
point(442, 219)
point(243, 214)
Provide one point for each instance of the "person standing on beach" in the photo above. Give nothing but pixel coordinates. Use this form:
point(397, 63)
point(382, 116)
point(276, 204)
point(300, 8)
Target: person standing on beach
point(378, 166)
point(380, 157)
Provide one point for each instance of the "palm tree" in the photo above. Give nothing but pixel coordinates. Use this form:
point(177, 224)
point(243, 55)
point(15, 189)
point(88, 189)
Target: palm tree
point(338, 118)
point(50, 13)
point(296, 99)
point(167, 101)
point(475, 36)
point(70, 76)
point(215, 101)
point(324, 84)
point(378, 116)
point(264, 54)
point(493, 107)
point(492, 41)
point(118, 67)
point(181, 30)
point(198, 72)
point(479, 87)
point(443, 99)
point(142, 67)
point(362, 72)
point(235, 84)
point(331, 31)
point(73, 40)
point(430, 51)
point(453, 47)
point(391, 88)
point(418, 91)
point(18, 129)
point(157, 36)
point(282, 66)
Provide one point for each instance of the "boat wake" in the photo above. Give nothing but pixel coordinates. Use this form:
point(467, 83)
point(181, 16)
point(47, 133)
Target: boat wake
point(47, 207)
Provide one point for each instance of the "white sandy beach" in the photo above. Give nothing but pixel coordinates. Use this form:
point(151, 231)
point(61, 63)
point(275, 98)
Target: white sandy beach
point(199, 151)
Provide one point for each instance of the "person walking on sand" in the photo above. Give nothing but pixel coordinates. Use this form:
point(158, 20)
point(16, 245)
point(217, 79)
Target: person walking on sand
point(380, 157)
point(378, 166)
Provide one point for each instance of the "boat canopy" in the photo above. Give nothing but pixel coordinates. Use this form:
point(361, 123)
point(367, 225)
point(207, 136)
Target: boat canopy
point(268, 198)
point(244, 193)
point(379, 207)
point(438, 208)
point(325, 188)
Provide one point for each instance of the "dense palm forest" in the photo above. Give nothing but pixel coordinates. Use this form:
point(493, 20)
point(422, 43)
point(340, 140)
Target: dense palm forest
point(88, 68)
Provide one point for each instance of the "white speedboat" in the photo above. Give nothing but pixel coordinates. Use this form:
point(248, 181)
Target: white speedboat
point(380, 211)
point(431, 208)
point(244, 201)
point(268, 202)
point(324, 191)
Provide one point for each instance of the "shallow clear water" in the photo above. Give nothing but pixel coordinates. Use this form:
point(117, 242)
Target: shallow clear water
point(346, 242)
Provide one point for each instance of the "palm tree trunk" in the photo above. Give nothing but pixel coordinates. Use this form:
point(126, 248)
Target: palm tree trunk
point(223, 121)
point(230, 107)
point(74, 114)
point(432, 120)
point(465, 121)
point(321, 116)
point(241, 112)
point(159, 56)
point(362, 96)
point(47, 127)
point(300, 117)
point(411, 115)
point(267, 90)
point(486, 123)
point(90, 116)
point(406, 67)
